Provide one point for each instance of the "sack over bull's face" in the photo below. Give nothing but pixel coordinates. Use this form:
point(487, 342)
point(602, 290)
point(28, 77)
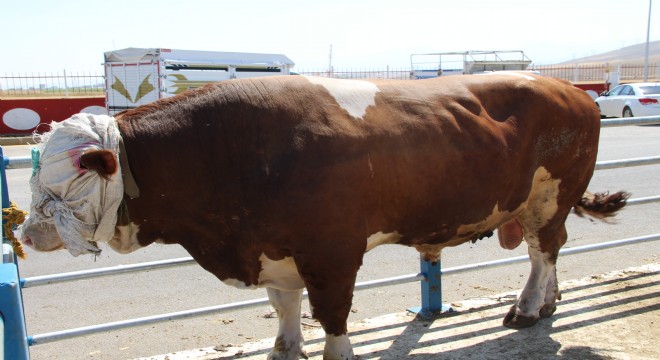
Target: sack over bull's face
point(77, 188)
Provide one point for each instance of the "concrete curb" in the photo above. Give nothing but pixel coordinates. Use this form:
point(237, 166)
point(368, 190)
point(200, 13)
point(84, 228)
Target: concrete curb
point(16, 140)
point(608, 316)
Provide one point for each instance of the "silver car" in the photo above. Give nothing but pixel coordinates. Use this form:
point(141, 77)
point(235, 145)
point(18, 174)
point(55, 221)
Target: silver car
point(638, 99)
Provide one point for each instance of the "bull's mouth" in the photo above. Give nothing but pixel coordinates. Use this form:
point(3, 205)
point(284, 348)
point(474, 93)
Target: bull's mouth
point(29, 242)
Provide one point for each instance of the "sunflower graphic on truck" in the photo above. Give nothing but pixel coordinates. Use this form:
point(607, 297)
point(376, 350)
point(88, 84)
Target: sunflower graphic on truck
point(136, 76)
point(145, 88)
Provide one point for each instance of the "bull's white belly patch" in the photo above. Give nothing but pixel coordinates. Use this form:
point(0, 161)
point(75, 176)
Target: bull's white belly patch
point(238, 284)
point(379, 239)
point(276, 274)
point(279, 274)
point(487, 224)
point(125, 239)
point(354, 96)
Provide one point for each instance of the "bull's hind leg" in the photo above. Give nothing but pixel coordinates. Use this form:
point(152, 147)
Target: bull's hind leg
point(541, 292)
point(289, 341)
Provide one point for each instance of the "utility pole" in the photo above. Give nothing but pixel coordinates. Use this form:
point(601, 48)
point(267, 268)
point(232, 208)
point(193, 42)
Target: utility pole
point(646, 55)
point(330, 62)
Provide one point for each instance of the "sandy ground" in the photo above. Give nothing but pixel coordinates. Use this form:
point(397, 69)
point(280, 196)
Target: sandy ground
point(609, 316)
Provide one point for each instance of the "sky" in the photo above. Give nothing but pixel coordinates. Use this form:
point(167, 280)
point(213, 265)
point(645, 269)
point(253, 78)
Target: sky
point(49, 36)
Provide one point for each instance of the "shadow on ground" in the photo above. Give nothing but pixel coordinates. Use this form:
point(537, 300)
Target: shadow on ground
point(611, 316)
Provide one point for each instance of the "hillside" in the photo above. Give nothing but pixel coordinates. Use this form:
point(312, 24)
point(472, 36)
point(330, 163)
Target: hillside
point(629, 54)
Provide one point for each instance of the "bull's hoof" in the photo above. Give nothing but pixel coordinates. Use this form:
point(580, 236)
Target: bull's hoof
point(547, 310)
point(276, 355)
point(287, 350)
point(514, 321)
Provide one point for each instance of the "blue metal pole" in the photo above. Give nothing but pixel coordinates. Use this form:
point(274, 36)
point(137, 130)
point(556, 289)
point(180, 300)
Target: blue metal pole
point(5, 190)
point(11, 310)
point(35, 154)
point(431, 290)
point(15, 344)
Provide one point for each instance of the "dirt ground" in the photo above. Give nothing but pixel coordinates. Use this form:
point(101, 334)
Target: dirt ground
point(610, 316)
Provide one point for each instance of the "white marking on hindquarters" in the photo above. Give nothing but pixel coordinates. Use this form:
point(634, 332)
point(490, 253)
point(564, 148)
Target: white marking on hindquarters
point(541, 203)
point(338, 347)
point(354, 96)
point(125, 239)
point(379, 238)
point(510, 73)
point(280, 274)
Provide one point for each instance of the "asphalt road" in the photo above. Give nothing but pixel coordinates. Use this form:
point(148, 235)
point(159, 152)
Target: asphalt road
point(89, 302)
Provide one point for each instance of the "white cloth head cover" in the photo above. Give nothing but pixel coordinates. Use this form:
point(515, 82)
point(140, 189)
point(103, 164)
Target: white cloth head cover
point(81, 204)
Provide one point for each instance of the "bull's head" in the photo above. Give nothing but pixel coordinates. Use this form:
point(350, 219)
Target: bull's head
point(77, 188)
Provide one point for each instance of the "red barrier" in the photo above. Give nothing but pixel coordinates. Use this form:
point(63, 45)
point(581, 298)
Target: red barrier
point(23, 116)
point(597, 87)
point(593, 89)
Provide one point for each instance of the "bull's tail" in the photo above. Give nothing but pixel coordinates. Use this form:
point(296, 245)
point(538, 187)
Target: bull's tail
point(601, 205)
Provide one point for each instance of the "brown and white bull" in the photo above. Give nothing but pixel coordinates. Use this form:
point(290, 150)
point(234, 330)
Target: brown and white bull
point(285, 182)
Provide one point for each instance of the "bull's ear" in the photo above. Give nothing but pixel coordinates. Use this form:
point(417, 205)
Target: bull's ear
point(103, 162)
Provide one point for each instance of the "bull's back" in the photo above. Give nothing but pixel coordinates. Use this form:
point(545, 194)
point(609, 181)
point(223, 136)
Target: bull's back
point(431, 157)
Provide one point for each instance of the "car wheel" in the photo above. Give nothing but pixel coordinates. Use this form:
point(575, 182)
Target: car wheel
point(627, 112)
point(600, 112)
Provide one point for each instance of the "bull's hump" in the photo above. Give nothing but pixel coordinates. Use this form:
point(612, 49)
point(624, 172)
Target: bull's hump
point(354, 96)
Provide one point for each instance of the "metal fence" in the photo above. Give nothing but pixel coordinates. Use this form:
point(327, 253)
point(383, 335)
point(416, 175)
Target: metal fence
point(68, 84)
point(17, 341)
point(575, 73)
point(631, 72)
point(387, 73)
point(600, 72)
point(64, 84)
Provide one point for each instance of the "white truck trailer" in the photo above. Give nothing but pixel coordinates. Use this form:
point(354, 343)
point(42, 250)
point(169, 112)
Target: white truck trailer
point(432, 65)
point(136, 76)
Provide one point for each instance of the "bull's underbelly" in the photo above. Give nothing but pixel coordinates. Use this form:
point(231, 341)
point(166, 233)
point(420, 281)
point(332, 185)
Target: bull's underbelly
point(537, 208)
point(278, 274)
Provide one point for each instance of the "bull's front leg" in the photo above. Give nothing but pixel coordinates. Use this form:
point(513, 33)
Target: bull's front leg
point(289, 342)
point(331, 307)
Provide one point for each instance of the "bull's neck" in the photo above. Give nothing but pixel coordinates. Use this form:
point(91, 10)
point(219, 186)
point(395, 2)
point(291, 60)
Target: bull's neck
point(131, 188)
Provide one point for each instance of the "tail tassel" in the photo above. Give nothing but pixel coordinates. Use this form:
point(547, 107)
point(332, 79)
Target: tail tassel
point(601, 205)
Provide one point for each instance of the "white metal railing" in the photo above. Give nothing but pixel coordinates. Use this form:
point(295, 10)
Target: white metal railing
point(52, 84)
point(643, 120)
